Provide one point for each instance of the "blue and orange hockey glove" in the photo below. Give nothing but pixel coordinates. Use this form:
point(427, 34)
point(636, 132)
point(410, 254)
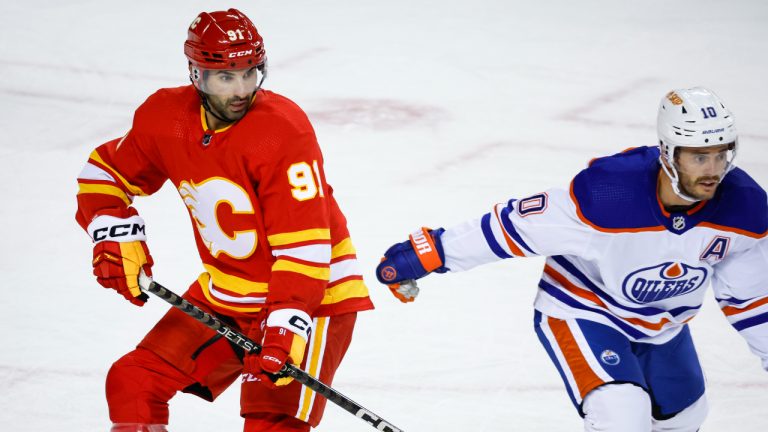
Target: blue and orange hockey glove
point(405, 262)
point(119, 254)
point(285, 335)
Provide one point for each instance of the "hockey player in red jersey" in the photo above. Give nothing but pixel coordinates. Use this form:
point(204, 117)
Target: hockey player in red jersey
point(631, 247)
point(279, 263)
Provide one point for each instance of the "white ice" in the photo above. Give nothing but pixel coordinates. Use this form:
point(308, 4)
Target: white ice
point(428, 112)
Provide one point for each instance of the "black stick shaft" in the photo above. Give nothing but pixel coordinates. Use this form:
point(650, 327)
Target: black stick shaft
point(250, 346)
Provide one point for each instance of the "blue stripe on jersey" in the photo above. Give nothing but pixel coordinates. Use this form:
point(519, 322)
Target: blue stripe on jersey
point(485, 224)
point(510, 227)
point(647, 311)
point(563, 297)
point(751, 321)
point(733, 300)
point(548, 348)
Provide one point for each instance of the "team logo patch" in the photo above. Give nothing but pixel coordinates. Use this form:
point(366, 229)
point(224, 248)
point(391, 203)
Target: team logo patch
point(610, 358)
point(674, 98)
point(663, 281)
point(388, 273)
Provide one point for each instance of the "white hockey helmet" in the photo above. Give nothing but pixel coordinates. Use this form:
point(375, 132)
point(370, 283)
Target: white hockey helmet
point(693, 117)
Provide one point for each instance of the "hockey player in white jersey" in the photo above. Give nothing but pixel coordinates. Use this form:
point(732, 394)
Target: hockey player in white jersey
point(631, 246)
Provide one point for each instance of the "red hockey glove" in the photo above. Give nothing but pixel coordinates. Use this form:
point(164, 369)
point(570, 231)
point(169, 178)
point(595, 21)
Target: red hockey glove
point(285, 339)
point(119, 254)
point(405, 262)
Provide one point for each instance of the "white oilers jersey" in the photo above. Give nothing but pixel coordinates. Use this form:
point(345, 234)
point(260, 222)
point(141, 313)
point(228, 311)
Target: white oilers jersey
point(615, 256)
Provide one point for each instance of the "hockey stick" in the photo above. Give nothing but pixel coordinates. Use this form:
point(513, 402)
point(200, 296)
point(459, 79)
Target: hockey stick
point(239, 339)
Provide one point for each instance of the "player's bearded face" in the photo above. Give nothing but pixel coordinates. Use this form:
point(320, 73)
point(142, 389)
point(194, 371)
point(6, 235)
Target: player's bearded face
point(701, 169)
point(230, 92)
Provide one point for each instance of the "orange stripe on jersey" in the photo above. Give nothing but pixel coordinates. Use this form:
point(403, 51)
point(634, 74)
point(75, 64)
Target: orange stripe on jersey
point(734, 230)
point(608, 230)
point(661, 205)
point(698, 207)
point(96, 157)
point(92, 188)
point(585, 377)
point(314, 234)
point(510, 243)
point(730, 310)
point(581, 292)
point(589, 295)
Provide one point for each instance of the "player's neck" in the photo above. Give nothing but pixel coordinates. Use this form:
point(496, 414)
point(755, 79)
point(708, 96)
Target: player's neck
point(214, 123)
point(667, 195)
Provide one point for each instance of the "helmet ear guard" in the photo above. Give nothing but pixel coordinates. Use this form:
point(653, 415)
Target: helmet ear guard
point(693, 118)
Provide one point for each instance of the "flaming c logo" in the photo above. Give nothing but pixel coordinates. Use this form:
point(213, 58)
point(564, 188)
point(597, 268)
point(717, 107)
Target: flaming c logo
point(663, 281)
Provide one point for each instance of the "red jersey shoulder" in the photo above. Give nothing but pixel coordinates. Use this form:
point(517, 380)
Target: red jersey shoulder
point(279, 112)
point(167, 106)
point(276, 128)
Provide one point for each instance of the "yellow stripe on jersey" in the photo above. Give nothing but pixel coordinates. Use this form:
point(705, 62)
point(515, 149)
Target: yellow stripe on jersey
point(135, 190)
point(235, 284)
point(313, 365)
point(322, 273)
point(299, 236)
point(344, 247)
point(203, 281)
point(355, 288)
point(87, 188)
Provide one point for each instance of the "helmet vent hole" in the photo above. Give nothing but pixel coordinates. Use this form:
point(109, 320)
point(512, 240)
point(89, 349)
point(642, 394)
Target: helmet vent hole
point(685, 111)
point(706, 140)
point(721, 138)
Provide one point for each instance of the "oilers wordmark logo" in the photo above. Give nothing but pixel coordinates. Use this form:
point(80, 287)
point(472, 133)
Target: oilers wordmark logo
point(663, 281)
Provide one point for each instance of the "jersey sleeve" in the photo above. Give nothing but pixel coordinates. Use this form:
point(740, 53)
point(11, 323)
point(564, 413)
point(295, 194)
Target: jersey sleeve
point(740, 284)
point(543, 224)
point(118, 171)
point(297, 217)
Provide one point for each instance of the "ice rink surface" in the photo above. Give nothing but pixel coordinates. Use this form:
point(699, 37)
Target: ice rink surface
point(428, 113)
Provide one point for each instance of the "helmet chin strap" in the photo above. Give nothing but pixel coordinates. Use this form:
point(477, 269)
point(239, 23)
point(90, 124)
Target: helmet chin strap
point(208, 109)
point(675, 181)
point(207, 106)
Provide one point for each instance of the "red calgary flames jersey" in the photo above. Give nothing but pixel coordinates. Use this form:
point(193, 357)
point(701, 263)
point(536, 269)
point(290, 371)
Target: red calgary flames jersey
point(266, 225)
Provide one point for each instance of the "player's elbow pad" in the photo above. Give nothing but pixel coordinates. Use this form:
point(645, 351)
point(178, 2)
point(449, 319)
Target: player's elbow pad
point(413, 259)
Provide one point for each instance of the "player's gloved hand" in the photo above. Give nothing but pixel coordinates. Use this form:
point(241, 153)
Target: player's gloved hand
point(120, 253)
point(285, 338)
point(405, 262)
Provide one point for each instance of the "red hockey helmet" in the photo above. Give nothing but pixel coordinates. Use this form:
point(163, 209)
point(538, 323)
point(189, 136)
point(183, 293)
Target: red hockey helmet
point(224, 40)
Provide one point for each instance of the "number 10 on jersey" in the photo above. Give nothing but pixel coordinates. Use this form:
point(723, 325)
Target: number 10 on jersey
point(306, 181)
